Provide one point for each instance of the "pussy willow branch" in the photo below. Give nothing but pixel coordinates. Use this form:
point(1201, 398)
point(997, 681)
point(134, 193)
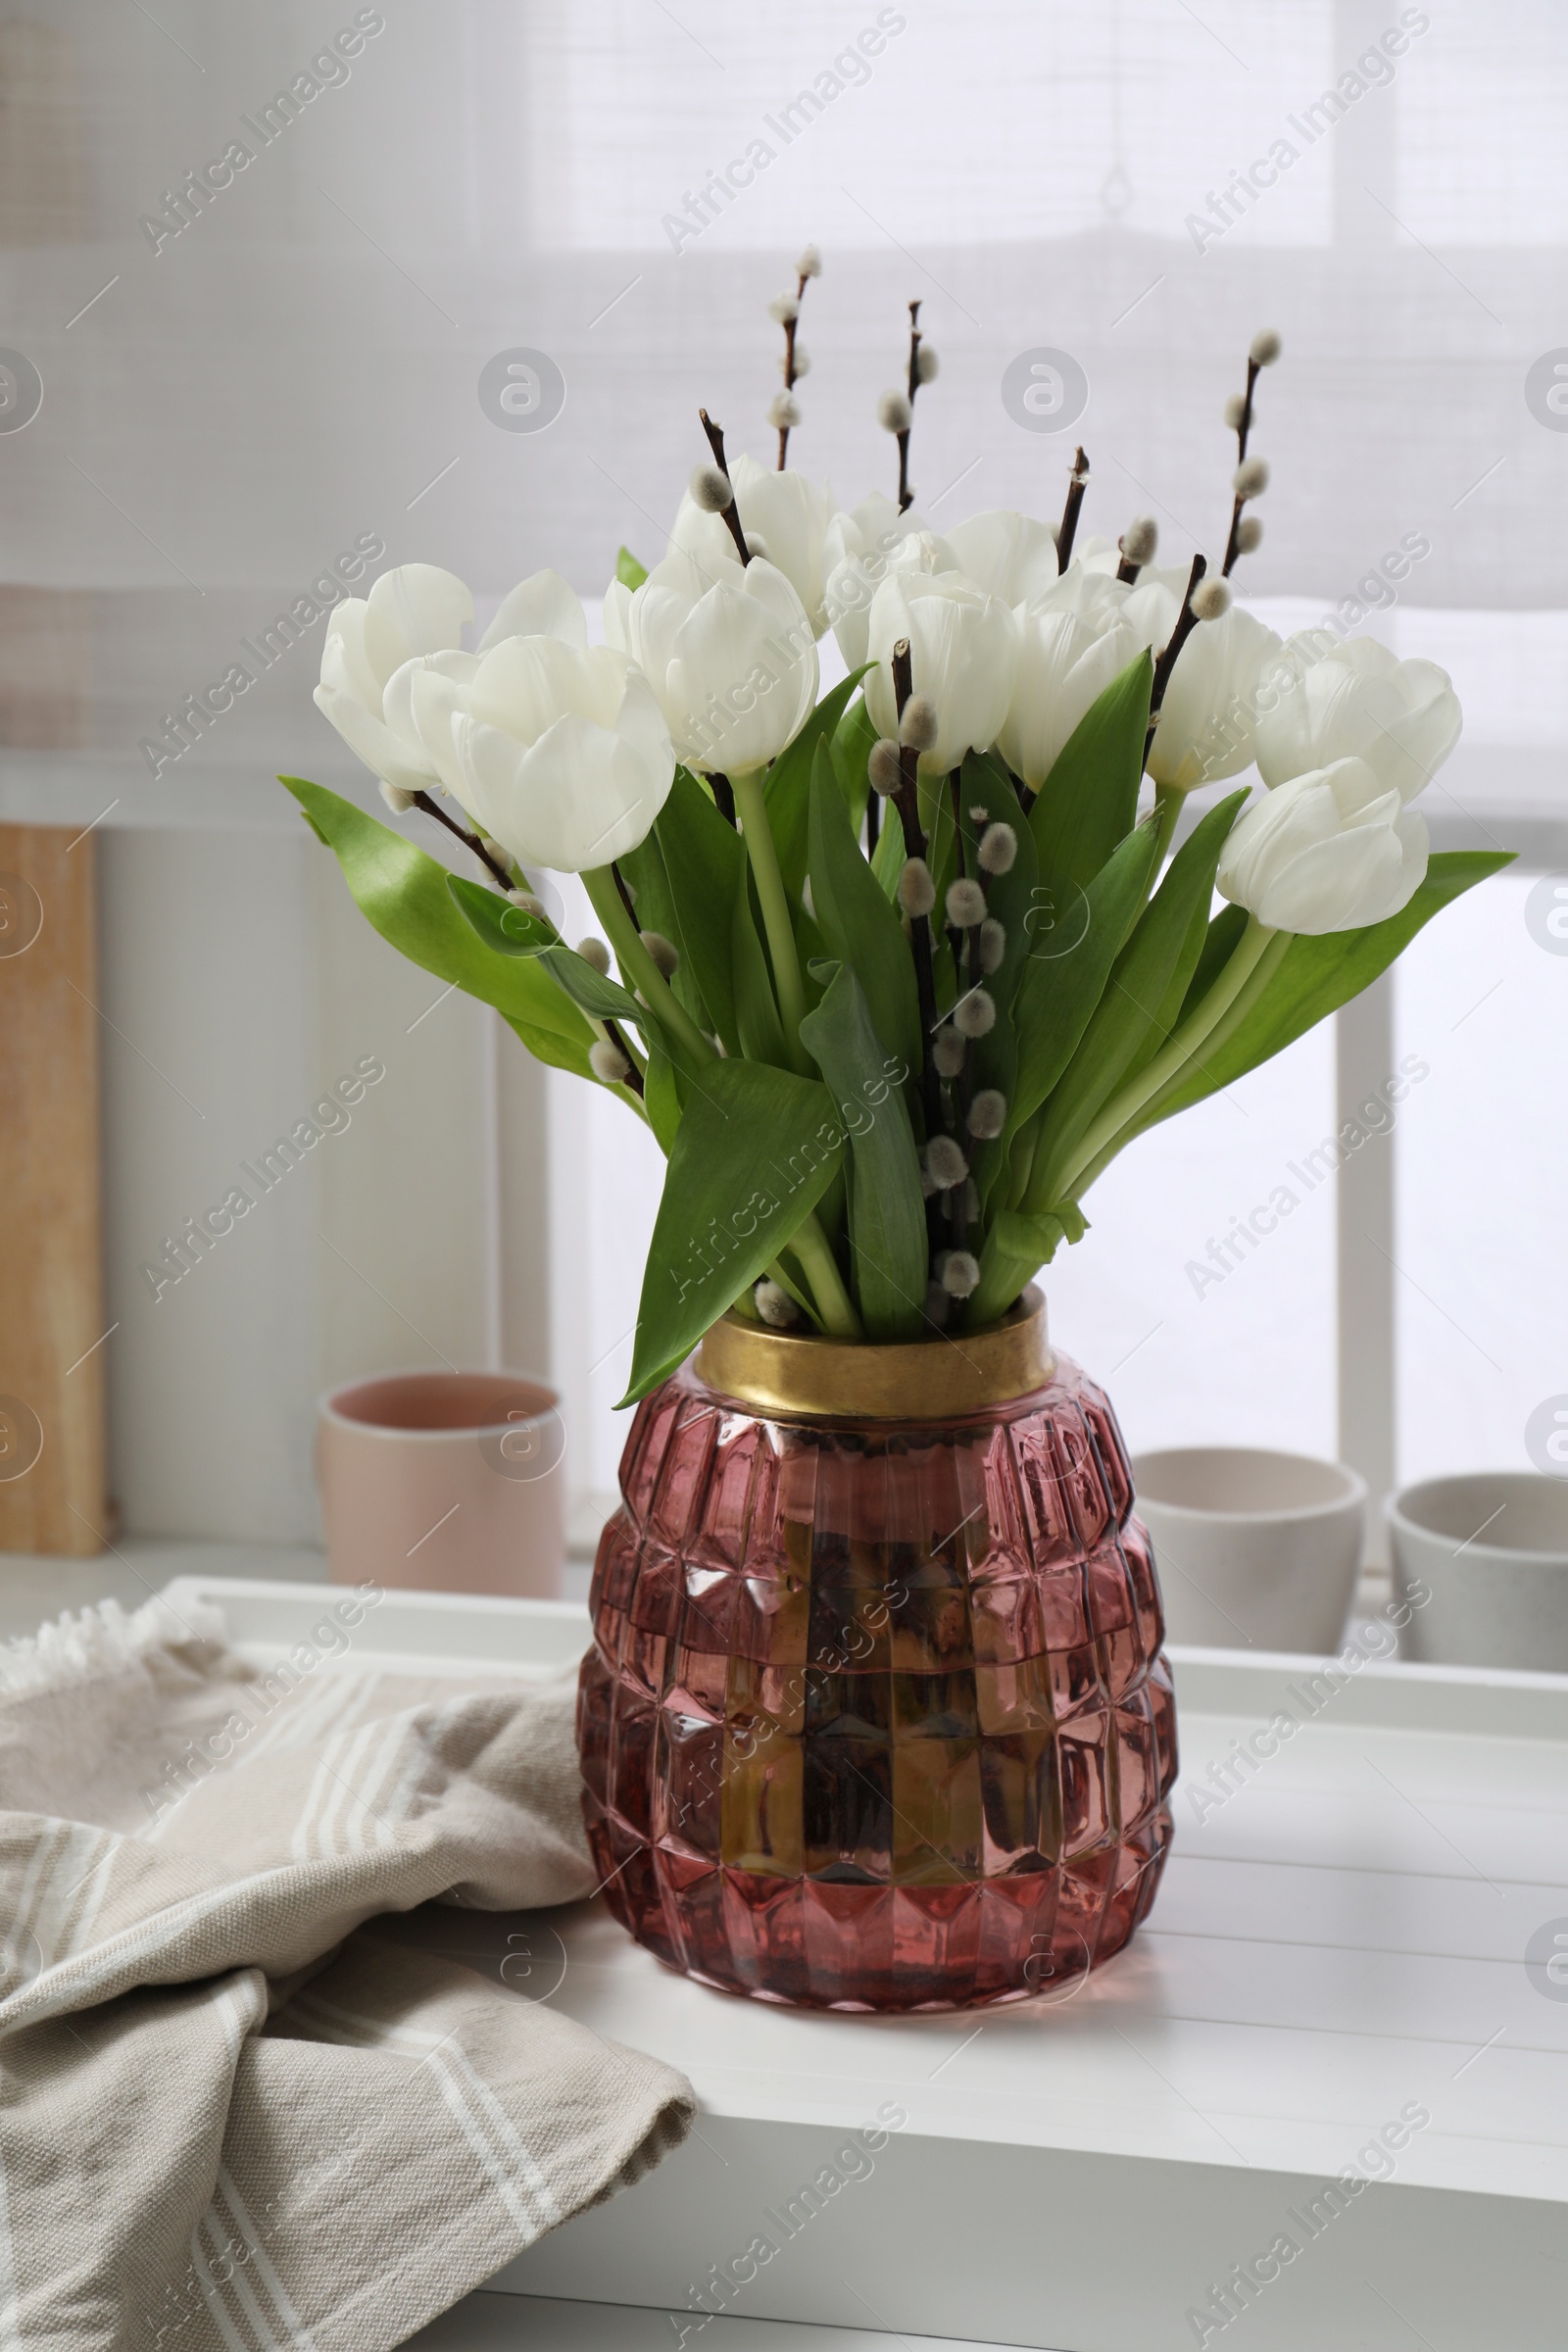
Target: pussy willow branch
point(906, 494)
point(1186, 622)
point(1243, 431)
point(908, 797)
point(790, 326)
point(469, 841)
point(1077, 484)
point(715, 442)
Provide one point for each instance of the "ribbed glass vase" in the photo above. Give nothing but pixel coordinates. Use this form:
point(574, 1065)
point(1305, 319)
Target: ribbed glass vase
point(875, 1715)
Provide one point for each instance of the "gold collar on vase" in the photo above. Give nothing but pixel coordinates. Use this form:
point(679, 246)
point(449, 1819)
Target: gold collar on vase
point(808, 1377)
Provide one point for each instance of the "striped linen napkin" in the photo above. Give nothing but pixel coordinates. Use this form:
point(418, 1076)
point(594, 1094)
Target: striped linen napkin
point(232, 2118)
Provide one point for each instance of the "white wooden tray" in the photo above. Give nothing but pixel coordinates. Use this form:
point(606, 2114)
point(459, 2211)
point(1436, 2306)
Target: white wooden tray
point(1340, 1942)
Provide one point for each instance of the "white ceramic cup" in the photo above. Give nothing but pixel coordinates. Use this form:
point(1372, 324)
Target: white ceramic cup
point(448, 1481)
point(1255, 1549)
point(1491, 1549)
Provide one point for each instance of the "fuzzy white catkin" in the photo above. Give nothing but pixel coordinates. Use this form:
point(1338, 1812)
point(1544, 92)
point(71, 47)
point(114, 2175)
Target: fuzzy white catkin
point(795, 364)
point(917, 893)
point(988, 1113)
point(894, 412)
point(918, 726)
point(882, 766)
point(1251, 478)
point(710, 489)
point(785, 307)
point(926, 364)
point(1266, 347)
point(992, 943)
point(1211, 600)
point(1140, 539)
point(529, 904)
point(998, 847)
point(960, 1275)
point(783, 412)
point(945, 1162)
point(975, 1014)
point(775, 1305)
point(608, 1062)
point(758, 547)
point(965, 904)
point(665, 953)
point(396, 799)
point(594, 951)
point(809, 264)
point(948, 1050)
point(1235, 411)
point(1249, 534)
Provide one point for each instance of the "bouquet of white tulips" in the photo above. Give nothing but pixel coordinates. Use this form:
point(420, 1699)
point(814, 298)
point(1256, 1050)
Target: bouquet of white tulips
point(894, 973)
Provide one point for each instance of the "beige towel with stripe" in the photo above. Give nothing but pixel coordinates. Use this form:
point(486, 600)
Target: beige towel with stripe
point(232, 2118)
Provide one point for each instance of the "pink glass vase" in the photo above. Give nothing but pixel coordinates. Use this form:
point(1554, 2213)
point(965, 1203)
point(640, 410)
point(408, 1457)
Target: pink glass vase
point(875, 1715)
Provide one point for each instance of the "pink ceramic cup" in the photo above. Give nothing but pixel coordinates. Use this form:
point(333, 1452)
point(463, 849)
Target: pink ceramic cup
point(446, 1481)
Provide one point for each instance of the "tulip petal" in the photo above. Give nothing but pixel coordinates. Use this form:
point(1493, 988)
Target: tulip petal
point(384, 753)
point(577, 798)
point(542, 605)
point(345, 664)
point(417, 609)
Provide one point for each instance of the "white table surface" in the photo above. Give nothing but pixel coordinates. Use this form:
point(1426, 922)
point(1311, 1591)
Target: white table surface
point(1341, 1939)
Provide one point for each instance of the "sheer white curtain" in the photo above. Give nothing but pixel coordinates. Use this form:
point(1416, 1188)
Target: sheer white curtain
point(296, 364)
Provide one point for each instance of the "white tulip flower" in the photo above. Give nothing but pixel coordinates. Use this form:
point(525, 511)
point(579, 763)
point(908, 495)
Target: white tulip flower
point(411, 625)
point(563, 754)
point(413, 610)
point(730, 657)
point(789, 513)
point(1320, 701)
point(863, 545)
point(1072, 642)
point(1333, 849)
point(964, 648)
point(1210, 705)
point(1010, 554)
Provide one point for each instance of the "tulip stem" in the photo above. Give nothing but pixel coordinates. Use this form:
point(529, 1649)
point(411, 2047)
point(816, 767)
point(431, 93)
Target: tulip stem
point(469, 841)
point(751, 808)
point(821, 1268)
point(1178, 1049)
point(638, 970)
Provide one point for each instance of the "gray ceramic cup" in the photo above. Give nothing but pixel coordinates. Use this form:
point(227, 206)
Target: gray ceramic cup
point(1255, 1549)
point(1491, 1549)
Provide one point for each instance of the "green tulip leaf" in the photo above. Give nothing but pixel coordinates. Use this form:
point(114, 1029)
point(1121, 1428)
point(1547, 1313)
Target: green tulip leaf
point(662, 1097)
point(886, 1206)
point(1142, 1000)
point(403, 894)
point(851, 743)
point(1315, 977)
point(787, 792)
point(704, 865)
point(657, 908)
point(754, 1152)
point(1073, 939)
point(1088, 802)
point(1033, 1238)
point(758, 1026)
point(858, 925)
point(628, 571)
